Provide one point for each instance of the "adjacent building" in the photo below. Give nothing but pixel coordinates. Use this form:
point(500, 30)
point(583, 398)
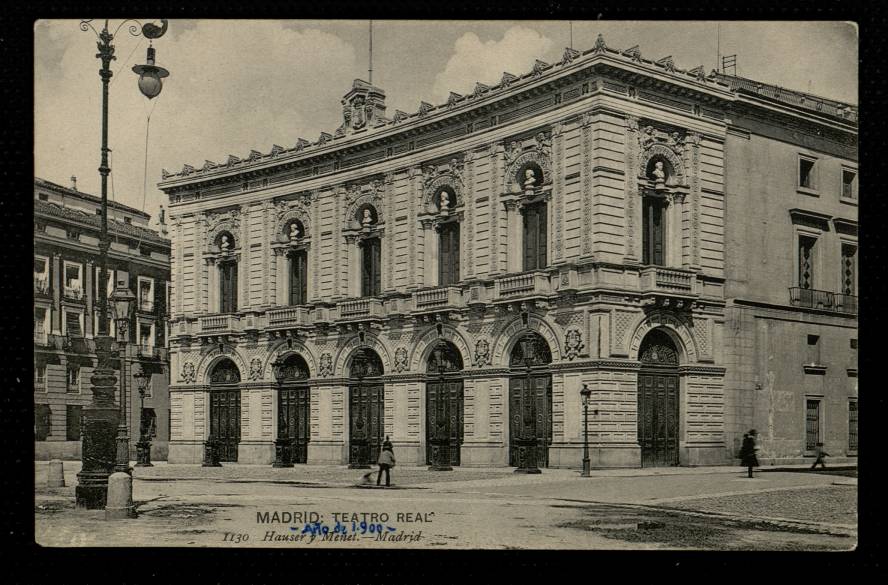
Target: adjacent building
point(66, 275)
point(454, 277)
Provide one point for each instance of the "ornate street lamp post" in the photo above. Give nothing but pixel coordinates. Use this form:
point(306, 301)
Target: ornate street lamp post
point(586, 394)
point(100, 416)
point(283, 444)
point(528, 444)
point(123, 302)
point(440, 445)
point(143, 447)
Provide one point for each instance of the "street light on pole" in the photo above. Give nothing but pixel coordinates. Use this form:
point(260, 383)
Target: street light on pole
point(586, 394)
point(123, 303)
point(143, 447)
point(100, 416)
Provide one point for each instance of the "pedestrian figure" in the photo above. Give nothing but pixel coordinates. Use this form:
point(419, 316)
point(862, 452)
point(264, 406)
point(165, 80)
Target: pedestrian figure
point(821, 453)
point(386, 461)
point(747, 452)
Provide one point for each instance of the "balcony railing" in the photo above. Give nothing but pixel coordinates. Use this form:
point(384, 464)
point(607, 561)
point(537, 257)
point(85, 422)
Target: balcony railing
point(73, 292)
point(445, 296)
point(219, 324)
point(41, 285)
point(668, 280)
point(288, 317)
point(40, 384)
point(360, 308)
point(41, 338)
point(810, 298)
point(528, 283)
point(146, 306)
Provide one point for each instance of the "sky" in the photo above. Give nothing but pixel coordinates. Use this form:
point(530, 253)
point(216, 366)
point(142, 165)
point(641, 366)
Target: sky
point(239, 85)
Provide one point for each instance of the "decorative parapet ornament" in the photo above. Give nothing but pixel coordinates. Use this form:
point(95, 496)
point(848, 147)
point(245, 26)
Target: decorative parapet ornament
point(325, 365)
point(256, 369)
point(482, 353)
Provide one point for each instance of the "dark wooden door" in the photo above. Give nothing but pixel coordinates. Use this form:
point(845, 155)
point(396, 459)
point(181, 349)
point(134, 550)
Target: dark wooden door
point(535, 236)
point(444, 418)
point(366, 410)
point(298, 278)
point(293, 411)
point(448, 256)
point(658, 419)
point(530, 416)
point(229, 287)
point(225, 421)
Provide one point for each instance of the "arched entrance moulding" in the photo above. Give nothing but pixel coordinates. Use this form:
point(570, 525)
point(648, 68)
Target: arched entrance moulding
point(510, 335)
point(282, 350)
point(342, 362)
point(426, 344)
point(213, 357)
point(674, 327)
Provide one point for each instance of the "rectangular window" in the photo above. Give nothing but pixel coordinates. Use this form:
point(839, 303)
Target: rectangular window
point(72, 325)
point(812, 424)
point(41, 274)
point(298, 278)
point(40, 325)
point(146, 294)
point(848, 184)
point(228, 273)
point(73, 280)
point(146, 336)
point(371, 274)
point(813, 353)
point(535, 236)
point(653, 230)
point(42, 422)
point(74, 418)
point(806, 262)
point(40, 377)
point(73, 379)
point(806, 173)
point(852, 425)
point(448, 254)
point(849, 270)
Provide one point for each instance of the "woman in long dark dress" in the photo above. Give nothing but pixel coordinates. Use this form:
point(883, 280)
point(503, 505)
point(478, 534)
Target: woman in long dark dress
point(747, 452)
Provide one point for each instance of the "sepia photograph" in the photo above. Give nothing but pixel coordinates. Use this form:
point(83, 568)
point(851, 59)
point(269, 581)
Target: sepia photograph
point(431, 284)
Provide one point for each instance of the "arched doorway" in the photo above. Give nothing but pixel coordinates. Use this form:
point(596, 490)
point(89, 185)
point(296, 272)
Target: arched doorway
point(444, 405)
point(294, 402)
point(658, 424)
point(225, 408)
point(366, 408)
point(530, 402)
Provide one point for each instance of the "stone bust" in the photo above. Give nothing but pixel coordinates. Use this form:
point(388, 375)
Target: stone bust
point(294, 232)
point(224, 245)
point(659, 174)
point(367, 220)
point(529, 179)
point(444, 201)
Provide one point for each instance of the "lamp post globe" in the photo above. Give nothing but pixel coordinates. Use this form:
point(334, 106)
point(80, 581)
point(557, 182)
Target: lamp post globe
point(150, 76)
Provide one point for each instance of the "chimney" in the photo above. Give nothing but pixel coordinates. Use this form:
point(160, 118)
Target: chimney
point(73, 183)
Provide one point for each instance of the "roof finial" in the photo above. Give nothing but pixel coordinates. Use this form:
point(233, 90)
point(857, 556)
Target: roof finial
point(73, 183)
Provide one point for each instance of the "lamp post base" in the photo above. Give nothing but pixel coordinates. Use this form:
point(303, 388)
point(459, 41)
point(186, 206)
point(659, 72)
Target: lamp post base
point(527, 456)
point(282, 453)
point(587, 468)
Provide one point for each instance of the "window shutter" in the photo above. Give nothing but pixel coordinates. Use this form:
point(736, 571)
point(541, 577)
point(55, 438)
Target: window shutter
point(542, 235)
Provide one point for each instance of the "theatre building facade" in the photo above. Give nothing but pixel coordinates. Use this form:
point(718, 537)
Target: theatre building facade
point(453, 278)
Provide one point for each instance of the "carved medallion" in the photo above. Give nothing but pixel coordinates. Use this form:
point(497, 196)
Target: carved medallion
point(573, 343)
point(482, 353)
point(188, 373)
point(255, 369)
point(325, 365)
point(400, 359)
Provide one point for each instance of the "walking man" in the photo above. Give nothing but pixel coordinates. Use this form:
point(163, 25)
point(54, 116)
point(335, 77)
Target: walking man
point(386, 461)
point(747, 452)
point(818, 450)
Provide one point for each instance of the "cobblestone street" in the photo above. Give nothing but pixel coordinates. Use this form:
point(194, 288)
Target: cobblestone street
point(698, 508)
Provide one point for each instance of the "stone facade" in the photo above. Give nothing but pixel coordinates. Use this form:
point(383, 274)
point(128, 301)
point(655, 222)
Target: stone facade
point(594, 139)
point(66, 268)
